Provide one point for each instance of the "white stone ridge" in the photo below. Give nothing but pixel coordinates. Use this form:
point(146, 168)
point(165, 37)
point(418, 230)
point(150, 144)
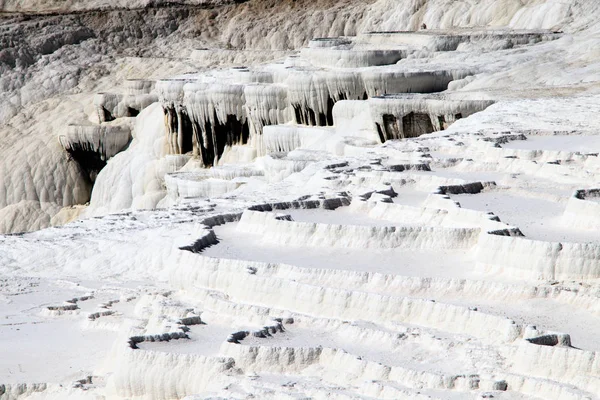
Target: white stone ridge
point(189, 265)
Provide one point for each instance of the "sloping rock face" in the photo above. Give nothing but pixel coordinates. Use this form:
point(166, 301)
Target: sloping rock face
point(56, 52)
point(55, 56)
point(300, 199)
point(63, 6)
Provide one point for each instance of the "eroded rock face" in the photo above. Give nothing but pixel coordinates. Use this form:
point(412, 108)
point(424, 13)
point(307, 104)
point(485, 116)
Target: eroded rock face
point(51, 51)
point(410, 217)
point(62, 6)
point(37, 173)
point(92, 146)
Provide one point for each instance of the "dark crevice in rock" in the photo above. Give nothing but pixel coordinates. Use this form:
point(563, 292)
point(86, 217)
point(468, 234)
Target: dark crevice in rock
point(89, 160)
point(416, 124)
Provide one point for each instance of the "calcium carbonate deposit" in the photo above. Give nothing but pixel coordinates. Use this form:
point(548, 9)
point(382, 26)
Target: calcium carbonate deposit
point(299, 199)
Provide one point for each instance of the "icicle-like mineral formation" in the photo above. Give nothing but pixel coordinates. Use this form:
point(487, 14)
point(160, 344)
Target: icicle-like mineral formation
point(92, 145)
point(406, 116)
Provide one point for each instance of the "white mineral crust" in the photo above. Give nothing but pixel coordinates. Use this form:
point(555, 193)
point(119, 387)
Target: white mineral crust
point(263, 199)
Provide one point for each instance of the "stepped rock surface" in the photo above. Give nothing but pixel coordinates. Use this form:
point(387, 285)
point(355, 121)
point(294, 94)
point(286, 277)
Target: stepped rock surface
point(299, 199)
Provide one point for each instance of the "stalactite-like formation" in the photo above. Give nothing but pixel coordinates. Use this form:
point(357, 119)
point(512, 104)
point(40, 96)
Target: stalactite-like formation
point(205, 117)
point(399, 117)
point(91, 146)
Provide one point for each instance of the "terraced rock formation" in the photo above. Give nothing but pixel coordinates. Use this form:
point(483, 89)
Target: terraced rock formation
point(381, 212)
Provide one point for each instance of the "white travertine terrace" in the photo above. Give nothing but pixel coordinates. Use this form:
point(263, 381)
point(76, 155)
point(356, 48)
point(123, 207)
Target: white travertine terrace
point(207, 114)
point(384, 199)
point(106, 141)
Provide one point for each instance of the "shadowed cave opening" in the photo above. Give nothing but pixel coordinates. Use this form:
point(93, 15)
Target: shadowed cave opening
point(416, 124)
point(207, 137)
point(183, 143)
point(305, 115)
point(106, 116)
point(219, 135)
point(89, 160)
point(413, 125)
point(132, 112)
point(92, 146)
point(186, 141)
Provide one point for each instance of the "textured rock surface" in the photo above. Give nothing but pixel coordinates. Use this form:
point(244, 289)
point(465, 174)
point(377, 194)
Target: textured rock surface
point(390, 212)
point(56, 63)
